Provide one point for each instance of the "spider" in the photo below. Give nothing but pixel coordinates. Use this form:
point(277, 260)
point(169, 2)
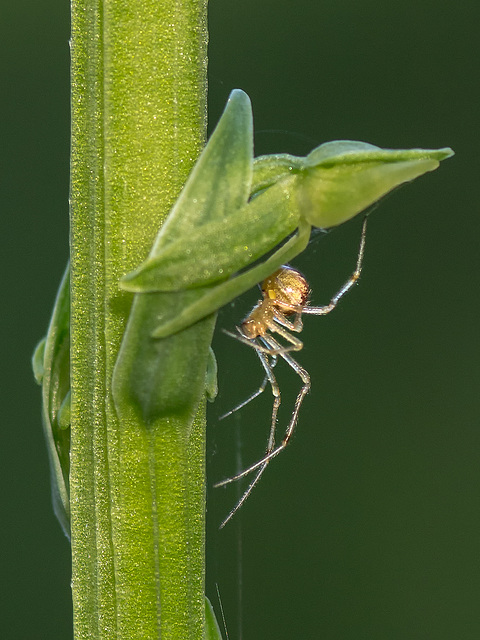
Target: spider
point(284, 294)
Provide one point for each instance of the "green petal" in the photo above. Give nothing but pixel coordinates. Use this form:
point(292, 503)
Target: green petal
point(342, 178)
point(217, 187)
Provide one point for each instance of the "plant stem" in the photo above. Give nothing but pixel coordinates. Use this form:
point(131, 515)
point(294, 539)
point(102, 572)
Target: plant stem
point(137, 495)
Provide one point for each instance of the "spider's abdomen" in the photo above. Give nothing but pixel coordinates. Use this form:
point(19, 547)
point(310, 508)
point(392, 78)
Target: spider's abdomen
point(287, 286)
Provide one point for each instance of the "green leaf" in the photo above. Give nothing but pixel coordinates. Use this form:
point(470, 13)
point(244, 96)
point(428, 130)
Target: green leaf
point(211, 380)
point(214, 251)
point(212, 630)
point(38, 361)
point(342, 178)
point(288, 194)
point(154, 376)
point(268, 170)
point(226, 162)
point(51, 366)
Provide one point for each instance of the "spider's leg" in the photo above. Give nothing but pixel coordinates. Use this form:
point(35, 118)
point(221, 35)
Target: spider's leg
point(295, 343)
point(245, 494)
point(296, 325)
point(271, 439)
point(268, 350)
point(261, 388)
point(321, 311)
point(272, 450)
point(305, 377)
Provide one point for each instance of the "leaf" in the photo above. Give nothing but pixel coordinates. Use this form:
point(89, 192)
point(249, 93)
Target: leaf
point(212, 630)
point(51, 365)
point(238, 212)
point(342, 178)
point(214, 251)
point(158, 378)
point(226, 162)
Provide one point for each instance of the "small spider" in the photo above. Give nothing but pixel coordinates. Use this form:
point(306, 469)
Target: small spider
point(284, 293)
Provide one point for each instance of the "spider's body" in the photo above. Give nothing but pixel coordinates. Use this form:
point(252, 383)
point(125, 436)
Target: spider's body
point(284, 294)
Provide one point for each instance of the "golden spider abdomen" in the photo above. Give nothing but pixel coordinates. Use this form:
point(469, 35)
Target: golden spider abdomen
point(288, 286)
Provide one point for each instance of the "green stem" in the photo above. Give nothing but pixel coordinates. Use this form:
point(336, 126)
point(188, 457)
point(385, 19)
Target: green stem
point(137, 495)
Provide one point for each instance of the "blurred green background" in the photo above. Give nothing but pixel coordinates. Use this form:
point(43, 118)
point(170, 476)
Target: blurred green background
point(368, 526)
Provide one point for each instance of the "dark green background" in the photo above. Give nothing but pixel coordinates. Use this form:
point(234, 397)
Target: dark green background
point(368, 526)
